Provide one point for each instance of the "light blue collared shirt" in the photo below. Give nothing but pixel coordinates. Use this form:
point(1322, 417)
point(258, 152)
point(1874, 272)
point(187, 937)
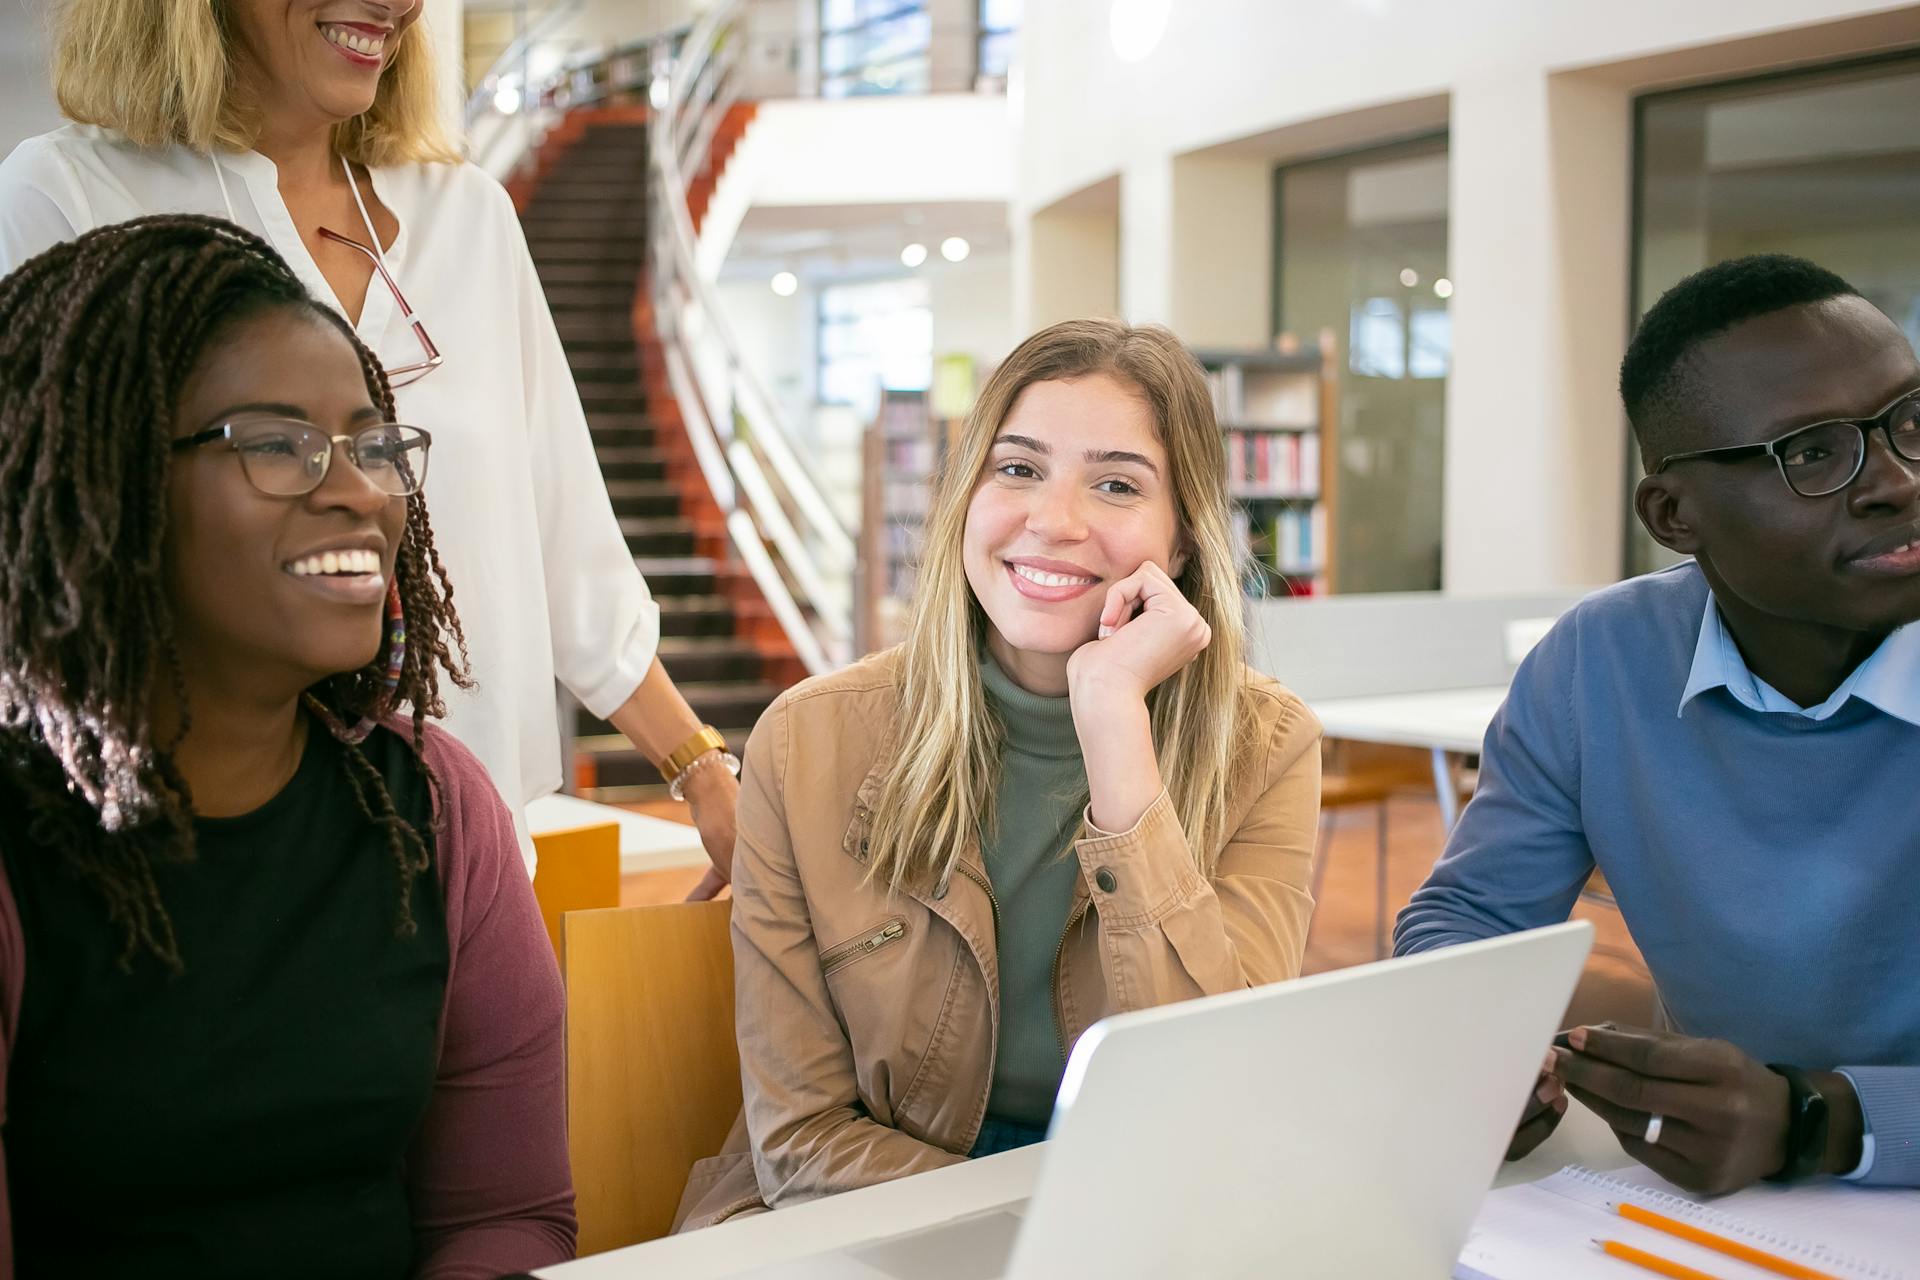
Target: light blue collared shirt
point(1889, 679)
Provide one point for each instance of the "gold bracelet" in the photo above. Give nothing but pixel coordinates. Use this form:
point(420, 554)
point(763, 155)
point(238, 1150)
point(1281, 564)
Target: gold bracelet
point(707, 739)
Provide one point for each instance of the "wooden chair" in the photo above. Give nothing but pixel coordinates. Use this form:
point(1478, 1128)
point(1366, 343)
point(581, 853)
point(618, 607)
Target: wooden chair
point(576, 870)
point(653, 1071)
point(1354, 774)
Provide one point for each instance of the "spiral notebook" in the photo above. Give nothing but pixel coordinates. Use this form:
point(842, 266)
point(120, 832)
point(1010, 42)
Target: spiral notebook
point(1547, 1228)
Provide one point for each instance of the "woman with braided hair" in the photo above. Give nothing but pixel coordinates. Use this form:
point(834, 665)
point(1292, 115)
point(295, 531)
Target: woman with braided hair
point(275, 998)
point(315, 124)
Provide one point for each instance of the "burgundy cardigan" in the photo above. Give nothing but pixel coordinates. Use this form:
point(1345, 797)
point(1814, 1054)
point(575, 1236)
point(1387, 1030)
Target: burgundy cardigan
point(487, 1174)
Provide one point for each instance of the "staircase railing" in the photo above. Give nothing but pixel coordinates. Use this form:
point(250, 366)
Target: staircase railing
point(489, 120)
point(800, 553)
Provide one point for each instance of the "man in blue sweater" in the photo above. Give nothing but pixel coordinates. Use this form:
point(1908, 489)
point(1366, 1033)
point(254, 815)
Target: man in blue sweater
point(1735, 743)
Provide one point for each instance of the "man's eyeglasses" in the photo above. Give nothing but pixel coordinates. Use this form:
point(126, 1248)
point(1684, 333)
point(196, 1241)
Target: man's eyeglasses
point(287, 458)
point(398, 375)
point(1825, 457)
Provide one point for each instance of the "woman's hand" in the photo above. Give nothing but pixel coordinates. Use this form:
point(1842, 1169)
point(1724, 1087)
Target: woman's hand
point(1148, 631)
point(713, 794)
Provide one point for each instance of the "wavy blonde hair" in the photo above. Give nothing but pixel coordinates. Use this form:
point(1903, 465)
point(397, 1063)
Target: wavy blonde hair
point(162, 72)
point(939, 795)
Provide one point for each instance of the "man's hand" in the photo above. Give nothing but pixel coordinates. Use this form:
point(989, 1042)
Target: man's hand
point(1545, 1105)
point(1724, 1116)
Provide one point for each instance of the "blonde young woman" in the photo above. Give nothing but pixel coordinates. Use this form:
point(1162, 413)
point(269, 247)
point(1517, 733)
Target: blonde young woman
point(315, 124)
point(1064, 796)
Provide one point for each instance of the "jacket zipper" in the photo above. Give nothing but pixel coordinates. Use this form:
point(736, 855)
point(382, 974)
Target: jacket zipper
point(1060, 954)
point(993, 1039)
point(992, 901)
point(847, 952)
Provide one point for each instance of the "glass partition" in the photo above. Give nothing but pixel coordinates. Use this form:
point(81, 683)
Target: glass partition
point(1824, 164)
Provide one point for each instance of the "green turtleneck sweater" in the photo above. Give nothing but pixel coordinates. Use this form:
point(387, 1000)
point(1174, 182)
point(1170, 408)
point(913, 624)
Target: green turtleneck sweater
point(1030, 863)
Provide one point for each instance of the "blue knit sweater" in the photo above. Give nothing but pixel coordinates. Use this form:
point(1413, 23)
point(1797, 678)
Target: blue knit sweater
point(1767, 862)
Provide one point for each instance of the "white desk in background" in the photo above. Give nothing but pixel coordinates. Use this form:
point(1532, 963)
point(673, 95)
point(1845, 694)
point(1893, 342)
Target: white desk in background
point(931, 1199)
point(646, 844)
point(1440, 722)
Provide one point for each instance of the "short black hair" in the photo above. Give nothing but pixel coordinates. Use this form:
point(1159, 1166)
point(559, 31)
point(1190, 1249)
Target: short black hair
point(1655, 382)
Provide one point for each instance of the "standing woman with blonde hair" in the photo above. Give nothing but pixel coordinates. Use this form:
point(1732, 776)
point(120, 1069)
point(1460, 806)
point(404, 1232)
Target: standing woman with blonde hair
point(316, 125)
point(1065, 796)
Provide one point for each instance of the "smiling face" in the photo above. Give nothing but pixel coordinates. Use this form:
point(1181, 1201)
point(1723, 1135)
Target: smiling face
point(1849, 560)
point(277, 592)
point(1076, 495)
point(318, 58)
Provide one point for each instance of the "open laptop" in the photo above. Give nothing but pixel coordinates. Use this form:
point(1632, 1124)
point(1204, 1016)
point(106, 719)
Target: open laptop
point(1346, 1124)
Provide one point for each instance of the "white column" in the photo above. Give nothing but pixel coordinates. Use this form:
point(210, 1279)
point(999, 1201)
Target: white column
point(1538, 249)
point(1221, 281)
point(446, 21)
point(1146, 240)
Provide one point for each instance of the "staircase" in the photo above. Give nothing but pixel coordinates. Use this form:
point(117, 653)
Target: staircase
point(584, 210)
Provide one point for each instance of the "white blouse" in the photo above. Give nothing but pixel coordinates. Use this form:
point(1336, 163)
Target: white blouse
point(542, 579)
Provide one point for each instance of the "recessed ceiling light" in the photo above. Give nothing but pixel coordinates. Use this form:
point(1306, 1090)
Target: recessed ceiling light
point(955, 249)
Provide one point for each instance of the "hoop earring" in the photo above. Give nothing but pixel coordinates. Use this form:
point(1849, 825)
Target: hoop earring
point(396, 658)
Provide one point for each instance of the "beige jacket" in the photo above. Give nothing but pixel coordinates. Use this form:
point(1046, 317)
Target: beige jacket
point(868, 1020)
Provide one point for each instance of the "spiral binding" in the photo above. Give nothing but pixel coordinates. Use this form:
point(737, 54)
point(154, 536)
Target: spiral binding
point(1729, 1225)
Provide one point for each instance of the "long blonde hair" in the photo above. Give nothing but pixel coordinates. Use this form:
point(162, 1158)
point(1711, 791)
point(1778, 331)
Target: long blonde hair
point(939, 793)
point(162, 73)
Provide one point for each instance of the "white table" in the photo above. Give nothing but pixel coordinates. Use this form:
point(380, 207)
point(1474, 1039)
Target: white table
point(931, 1199)
point(1438, 721)
point(646, 844)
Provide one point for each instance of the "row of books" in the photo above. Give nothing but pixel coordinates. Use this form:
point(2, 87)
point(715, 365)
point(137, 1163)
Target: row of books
point(1273, 465)
point(1255, 397)
point(1292, 543)
point(905, 499)
point(1300, 539)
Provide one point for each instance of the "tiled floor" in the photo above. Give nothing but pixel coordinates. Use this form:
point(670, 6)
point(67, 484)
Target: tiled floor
point(1615, 985)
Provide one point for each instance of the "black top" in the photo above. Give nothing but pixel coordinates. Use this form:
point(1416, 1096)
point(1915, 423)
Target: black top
point(251, 1116)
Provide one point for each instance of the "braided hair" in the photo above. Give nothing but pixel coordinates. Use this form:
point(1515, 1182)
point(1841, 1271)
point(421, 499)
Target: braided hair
point(98, 337)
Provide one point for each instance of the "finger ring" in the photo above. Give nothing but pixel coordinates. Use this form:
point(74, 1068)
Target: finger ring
point(1652, 1136)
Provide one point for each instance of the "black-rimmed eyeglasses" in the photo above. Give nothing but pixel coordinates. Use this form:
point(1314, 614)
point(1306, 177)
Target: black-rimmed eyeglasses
point(1826, 457)
point(287, 458)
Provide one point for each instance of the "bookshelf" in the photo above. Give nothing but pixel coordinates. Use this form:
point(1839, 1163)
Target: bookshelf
point(900, 453)
point(1278, 426)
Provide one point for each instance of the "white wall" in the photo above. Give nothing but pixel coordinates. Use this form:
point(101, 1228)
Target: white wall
point(26, 100)
point(972, 305)
point(777, 342)
point(880, 150)
point(1539, 97)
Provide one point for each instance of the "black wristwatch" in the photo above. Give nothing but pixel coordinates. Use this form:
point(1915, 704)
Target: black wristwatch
point(1806, 1126)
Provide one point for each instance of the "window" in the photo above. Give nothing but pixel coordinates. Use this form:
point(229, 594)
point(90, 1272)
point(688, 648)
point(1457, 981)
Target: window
point(1824, 164)
point(874, 335)
point(874, 46)
point(999, 21)
point(1362, 252)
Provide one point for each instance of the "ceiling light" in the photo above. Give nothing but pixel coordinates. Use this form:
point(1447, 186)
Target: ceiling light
point(954, 249)
point(786, 284)
point(506, 99)
point(658, 93)
point(913, 255)
point(1136, 27)
point(1409, 277)
point(1443, 288)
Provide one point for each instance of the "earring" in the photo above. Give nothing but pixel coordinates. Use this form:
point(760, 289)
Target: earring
point(396, 658)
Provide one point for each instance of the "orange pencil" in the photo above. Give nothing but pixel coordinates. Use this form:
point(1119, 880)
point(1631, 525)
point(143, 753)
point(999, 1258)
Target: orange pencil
point(1720, 1244)
point(1651, 1261)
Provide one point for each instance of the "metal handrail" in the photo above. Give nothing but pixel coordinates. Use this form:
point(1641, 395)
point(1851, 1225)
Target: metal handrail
point(757, 478)
point(480, 101)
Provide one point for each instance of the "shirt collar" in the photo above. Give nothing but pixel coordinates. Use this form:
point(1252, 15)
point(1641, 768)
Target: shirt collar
point(1889, 679)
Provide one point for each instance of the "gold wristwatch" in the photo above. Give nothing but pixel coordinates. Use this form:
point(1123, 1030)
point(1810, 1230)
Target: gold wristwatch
point(673, 769)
